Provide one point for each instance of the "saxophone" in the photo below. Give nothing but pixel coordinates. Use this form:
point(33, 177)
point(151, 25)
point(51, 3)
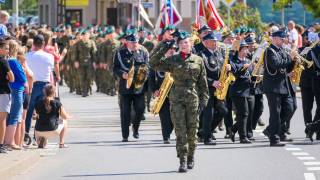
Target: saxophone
point(164, 90)
point(300, 65)
point(226, 78)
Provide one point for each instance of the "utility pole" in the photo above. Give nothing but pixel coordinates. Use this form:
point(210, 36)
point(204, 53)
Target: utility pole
point(16, 12)
point(282, 16)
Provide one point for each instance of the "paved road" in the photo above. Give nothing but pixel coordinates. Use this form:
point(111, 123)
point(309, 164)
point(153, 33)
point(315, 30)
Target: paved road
point(96, 151)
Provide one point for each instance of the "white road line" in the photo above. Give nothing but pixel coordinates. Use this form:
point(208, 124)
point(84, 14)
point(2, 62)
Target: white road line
point(309, 176)
point(293, 149)
point(306, 158)
point(311, 163)
point(300, 153)
point(313, 168)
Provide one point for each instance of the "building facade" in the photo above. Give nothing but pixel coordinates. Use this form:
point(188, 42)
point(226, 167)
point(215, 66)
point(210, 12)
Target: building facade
point(110, 12)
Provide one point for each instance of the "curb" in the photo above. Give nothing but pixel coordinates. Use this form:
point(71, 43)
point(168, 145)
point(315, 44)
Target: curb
point(19, 166)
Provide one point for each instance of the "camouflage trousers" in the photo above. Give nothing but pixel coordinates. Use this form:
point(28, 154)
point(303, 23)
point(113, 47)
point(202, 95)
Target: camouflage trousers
point(85, 76)
point(185, 118)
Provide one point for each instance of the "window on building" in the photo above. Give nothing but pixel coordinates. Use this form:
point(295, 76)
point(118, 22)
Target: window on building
point(47, 14)
point(193, 8)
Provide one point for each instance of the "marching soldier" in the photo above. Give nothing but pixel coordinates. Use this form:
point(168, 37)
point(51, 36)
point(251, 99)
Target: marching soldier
point(106, 57)
point(69, 68)
point(277, 86)
point(132, 58)
point(213, 60)
point(84, 54)
point(98, 69)
point(188, 95)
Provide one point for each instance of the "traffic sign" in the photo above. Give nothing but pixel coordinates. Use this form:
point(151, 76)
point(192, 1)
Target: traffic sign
point(229, 3)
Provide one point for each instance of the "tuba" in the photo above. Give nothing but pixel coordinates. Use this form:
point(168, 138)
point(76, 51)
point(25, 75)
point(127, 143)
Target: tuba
point(130, 76)
point(164, 91)
point(226, 78)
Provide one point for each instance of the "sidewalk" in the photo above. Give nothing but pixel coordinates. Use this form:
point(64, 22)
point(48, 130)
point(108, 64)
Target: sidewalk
point(16, 162)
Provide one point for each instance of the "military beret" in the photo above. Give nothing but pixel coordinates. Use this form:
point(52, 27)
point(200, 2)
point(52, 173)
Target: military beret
point(250, 30)
point(176, 33)
point(210, 36)
point(168, 28)
point(183, 35)
point(280, 33)
point(109, 30)
point(250, 40)
point(122, 36)
point(204, 28)
point(141, 29)
point(237, 31)
point(131, 38)
point(243, 44)
point(84, 31)
point(243, 30)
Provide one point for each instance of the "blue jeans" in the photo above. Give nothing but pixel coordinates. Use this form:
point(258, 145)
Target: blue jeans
point(16, 106)
point(37, 94)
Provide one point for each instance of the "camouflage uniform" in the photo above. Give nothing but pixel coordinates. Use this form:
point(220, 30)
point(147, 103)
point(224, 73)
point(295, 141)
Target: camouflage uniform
point(98, 70)
point(69, 70)
point(106, 57)
point(188, 93)
point(85, 54)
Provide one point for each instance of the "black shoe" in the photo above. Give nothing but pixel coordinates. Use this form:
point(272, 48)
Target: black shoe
point(251, 138)
point(260, 122)
point(125, 140)
point(3, 149)
point(209, 142)
point(166, 141)
point(143, 117)
point(245, 141)
point(221, 128)
point(84, 94)
point(233, 137)
point(318, 136)
point(227, 136)
point(285, 139)
point(215, 131)
point(213, 137)
point(113, 92)
point(266, 133)
point(309, 131)
point(288, 132)
point(182, 167)
point(276, 144)
point(190, 163)
point(136, 135)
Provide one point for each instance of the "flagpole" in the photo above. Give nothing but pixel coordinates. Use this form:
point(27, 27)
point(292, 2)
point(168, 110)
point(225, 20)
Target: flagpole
point(139, 23)
point(171, 13)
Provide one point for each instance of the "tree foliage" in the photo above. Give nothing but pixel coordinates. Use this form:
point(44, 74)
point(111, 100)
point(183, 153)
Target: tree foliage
point(242, 15)
point(311, 5)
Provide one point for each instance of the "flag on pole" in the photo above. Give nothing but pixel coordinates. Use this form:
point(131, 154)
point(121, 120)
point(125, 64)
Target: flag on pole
point(208, 14)
point(145, 16)
point(168, 16)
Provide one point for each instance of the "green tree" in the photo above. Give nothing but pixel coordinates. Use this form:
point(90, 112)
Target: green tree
point(242, 15)
point(312, 6)
point(28, 6)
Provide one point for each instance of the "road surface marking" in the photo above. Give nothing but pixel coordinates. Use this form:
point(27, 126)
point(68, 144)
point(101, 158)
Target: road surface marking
point(313, 168)
point(311, 163)
point(300, 154)
point(293, 149)
point(306, 158)
point(309, 176)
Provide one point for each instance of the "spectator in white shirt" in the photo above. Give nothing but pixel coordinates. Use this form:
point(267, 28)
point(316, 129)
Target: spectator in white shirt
point(41, 64)
point(293, 35)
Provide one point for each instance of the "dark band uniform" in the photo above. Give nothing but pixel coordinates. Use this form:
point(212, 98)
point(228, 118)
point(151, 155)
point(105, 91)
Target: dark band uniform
point(123, 61)
point(213, 61)
point(278, 88)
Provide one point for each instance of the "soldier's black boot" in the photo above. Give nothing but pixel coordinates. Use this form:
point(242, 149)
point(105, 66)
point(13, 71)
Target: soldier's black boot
point(183, 166)
point(310, 130)
point(190, 162)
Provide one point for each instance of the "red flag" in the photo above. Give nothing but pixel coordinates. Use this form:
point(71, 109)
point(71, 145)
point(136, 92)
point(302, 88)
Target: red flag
point(208, 14)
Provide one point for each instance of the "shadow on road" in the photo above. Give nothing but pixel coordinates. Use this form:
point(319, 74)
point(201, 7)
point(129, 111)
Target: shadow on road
point(120, 174)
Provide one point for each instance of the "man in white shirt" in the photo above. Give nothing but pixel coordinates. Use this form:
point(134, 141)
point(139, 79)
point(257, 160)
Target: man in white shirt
point(293, 35)
point(42, 66)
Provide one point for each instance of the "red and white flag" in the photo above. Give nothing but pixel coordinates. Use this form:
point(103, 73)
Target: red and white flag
point(168, 16)
point(208, 14)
